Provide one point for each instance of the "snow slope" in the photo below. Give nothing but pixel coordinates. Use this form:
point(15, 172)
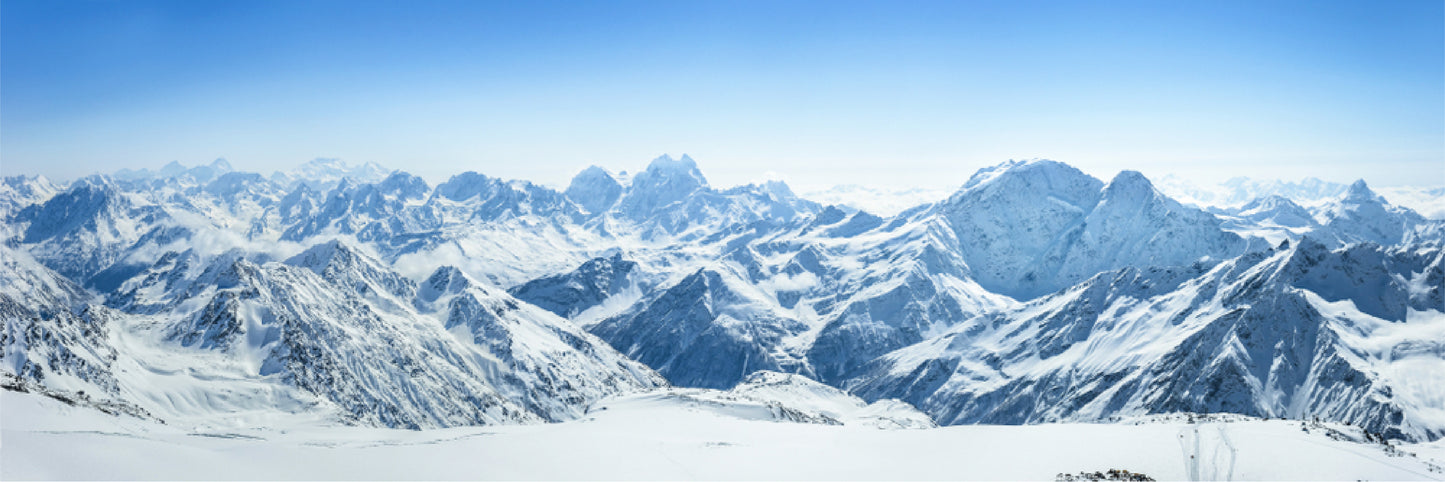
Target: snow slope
point(1348, 335)
point(343, 294)
point(662, 439)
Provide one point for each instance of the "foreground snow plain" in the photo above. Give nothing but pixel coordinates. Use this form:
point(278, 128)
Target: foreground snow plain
point(669, 435)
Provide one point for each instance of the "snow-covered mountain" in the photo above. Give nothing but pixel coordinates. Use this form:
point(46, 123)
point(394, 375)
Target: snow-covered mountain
point(332, 331)
point(198, 174)
point(1035, 292)
point(1310, 192)
point(322, 174)
point(17, 192)
point(1030, 228)
point(877, 200)
point(1304, 331)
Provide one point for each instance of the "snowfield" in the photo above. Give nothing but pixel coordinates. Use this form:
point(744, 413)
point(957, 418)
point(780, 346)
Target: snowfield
point(655, 437)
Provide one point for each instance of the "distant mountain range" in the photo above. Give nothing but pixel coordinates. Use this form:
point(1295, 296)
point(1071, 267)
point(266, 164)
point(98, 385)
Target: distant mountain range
point(1033, 293)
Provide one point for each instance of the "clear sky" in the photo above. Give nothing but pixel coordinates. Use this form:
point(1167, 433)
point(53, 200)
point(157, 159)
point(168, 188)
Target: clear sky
point(882, 93)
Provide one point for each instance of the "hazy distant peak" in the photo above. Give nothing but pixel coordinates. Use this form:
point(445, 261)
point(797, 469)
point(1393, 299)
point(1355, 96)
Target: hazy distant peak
point(595, 189)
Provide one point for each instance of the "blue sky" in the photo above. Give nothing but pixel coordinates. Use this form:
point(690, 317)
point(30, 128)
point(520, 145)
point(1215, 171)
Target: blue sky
point(885, 93)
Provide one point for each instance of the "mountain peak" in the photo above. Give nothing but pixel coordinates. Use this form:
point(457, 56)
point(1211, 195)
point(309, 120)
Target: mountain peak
point(684, 165)
point(446, 280)
point(325, 162)
point(404, 185)
point(1359, 191)
point(1129, 183)
point(1028, 168)
point(664, 182)
point(594, 189)
point(319, 255)
point(779, 189)
point(172, 169)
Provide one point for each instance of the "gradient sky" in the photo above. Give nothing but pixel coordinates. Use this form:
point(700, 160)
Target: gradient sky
point(879, 93)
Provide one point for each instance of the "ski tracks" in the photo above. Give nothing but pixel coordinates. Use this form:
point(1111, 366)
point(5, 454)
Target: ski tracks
point(1207, 451)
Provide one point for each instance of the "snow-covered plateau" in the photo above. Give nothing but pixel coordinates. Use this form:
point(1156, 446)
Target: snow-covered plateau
point(355, 322)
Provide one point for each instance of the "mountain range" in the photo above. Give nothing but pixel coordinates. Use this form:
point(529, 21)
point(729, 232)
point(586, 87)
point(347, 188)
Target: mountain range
point(1033, 293)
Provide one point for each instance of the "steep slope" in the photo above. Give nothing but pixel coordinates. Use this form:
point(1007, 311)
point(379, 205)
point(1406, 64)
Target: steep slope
point(371, 212)
point(91, 226)
point(49, 334)
point(595, 189)
point(591, 284)
point(555, 368)
point(17, 192)
point(1297, 333)
point(1274, 218)
point(1030, 228)
point(1363, 216)
point(331, 333)
point(708, 330)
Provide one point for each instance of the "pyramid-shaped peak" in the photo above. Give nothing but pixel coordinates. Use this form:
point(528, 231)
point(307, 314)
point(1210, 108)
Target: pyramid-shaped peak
point(1130, 182)
point(1269, 202)
point(594, 171)
point(446, 280)
point(321, 255)
point(595, 189)
point(593, 175)
point(174, 168)
point(1359, 191)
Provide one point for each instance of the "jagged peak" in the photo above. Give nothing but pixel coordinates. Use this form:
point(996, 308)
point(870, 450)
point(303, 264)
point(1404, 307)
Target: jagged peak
point(779, 189)
point(93, 182)
point(466, 185)
point(321, 255)
point(221, 164)
point(830, 215)
point(446, 280)
point(345, 184)
point(403, 183)
point(666, 167)
point(1309, 247)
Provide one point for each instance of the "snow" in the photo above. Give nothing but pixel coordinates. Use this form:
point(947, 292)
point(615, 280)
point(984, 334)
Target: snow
point(880, 200)
point(655, 438)
point(1035, 293)
point(1428, 200)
